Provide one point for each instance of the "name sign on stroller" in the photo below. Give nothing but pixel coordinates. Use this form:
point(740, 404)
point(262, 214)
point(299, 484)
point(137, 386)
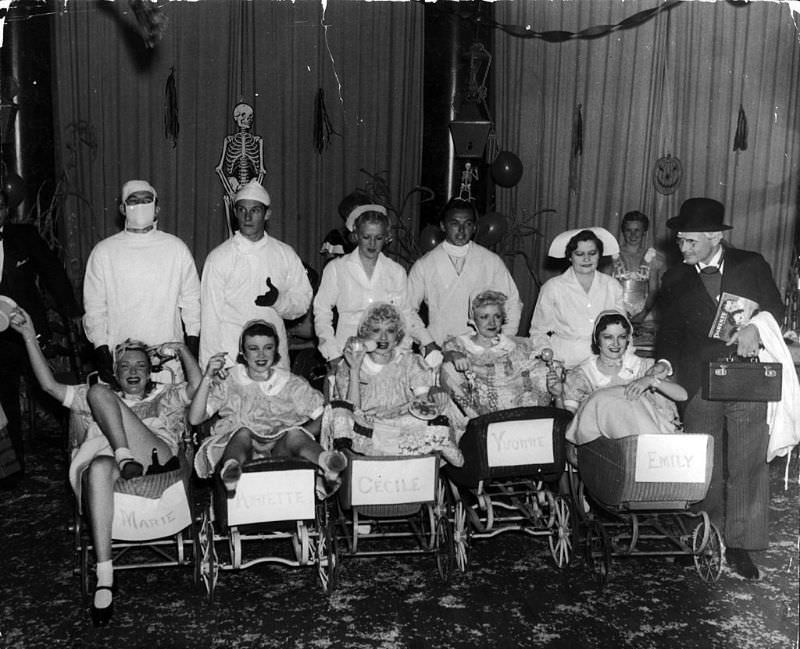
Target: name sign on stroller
point(266, 496)
point(137, 518)
point(520, 442)
point(671, 458)
point(393, 482)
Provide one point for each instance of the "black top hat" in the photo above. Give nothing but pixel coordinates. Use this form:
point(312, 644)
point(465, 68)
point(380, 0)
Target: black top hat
point(699, 215)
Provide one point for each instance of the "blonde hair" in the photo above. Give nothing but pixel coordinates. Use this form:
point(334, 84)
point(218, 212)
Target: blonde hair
point(381, 312)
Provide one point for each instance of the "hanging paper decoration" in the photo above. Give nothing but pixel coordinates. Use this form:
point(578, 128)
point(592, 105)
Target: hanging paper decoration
point(577, 147)
point(667, 174)
point(323, 129)
point(152, 21)
point(740, 139)
point(171, 124)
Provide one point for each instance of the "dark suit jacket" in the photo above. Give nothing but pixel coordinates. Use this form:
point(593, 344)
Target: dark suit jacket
point(28, 258)
point(687, 312)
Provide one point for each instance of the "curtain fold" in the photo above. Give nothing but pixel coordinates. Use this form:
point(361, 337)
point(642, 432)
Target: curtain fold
point(672, 85)
point(273, 55)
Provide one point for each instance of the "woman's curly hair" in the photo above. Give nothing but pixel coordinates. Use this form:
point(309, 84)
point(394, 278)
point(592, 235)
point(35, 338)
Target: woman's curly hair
point(378, 313)
point(485, 298)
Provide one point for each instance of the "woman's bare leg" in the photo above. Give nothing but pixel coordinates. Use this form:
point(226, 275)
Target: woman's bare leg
point(100, 478)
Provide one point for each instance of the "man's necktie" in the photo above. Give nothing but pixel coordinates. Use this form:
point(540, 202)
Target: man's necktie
point(712, 280)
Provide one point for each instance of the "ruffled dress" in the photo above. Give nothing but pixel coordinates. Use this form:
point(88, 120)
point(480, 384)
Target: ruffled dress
point(506, 375)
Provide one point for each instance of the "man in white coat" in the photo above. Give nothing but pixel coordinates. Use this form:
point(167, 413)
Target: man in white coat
point(250, 276)
point(140, 283)
point(455, 271)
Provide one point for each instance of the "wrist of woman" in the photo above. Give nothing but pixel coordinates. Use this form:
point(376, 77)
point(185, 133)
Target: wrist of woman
point(654, 383)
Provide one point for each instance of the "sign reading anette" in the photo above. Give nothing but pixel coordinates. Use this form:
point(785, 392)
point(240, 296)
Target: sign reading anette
point(393, 482)
point(137, 518)
point(273, 496)
point(523, 441)
point(671, 458)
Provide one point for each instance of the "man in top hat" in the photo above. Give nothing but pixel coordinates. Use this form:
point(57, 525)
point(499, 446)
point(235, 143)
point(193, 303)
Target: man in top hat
point(248, 277)
point(738, 497)
point(140, 283)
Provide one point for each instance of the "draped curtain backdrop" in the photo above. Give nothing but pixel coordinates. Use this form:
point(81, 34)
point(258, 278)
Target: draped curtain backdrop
point(672, 85)
point(109, 90)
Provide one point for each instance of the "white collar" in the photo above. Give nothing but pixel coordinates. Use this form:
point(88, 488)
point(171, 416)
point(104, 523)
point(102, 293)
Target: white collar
point(504, 344)
point(273, 385)
point(456, 251)
point(244, 244)
point(714, 261)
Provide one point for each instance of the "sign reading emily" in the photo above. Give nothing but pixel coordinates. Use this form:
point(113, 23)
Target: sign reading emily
point(671, 458)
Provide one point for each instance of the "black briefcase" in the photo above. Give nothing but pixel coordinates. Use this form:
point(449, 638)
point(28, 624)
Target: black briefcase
point(741, 379)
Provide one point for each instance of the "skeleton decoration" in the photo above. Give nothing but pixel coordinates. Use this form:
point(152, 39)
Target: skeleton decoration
point(242, 157)
point(467, 176)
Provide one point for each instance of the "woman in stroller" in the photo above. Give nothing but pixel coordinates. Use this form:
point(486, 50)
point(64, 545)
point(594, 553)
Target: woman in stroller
point(616, 393)
point(488, 371)
point(385, 401)
point(119, 433)
point(264, 411)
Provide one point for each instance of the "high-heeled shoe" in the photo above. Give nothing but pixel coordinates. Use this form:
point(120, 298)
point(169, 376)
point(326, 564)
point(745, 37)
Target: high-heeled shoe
point(102, 616)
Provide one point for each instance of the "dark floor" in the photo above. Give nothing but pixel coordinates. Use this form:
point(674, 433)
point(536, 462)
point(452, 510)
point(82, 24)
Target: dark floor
point(512, 595)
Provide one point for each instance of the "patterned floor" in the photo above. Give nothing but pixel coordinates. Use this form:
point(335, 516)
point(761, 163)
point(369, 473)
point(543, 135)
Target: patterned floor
point(512, 595)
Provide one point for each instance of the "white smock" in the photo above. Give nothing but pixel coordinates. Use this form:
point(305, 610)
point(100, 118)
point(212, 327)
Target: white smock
point(448, 294)
point(234, 275)
point(346, 286)
point(567, 313)
point(140, 285)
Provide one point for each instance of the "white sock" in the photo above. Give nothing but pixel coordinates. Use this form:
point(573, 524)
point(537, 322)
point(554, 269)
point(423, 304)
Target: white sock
point(122, 454)
point(105, 577)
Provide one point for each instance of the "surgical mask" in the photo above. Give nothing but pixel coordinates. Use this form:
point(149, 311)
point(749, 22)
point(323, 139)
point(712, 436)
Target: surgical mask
point(140, 215)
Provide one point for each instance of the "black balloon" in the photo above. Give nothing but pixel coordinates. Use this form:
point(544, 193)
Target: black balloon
point(506, 169)
point(430, 237)
point(13, 186)
point(492, 227)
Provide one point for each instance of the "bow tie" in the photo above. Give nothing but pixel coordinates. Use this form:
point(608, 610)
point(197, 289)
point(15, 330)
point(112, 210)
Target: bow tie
point(712, 280)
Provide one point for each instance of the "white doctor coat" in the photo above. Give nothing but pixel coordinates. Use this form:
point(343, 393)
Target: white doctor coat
point(346, 286)
point(449, 295)
point(234, 275)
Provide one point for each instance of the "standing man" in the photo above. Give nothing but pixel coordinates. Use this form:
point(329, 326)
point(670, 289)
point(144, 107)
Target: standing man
point(455, 271)
point(24, 259)
point(140, 283)
point(738, 497)
point(250, 276)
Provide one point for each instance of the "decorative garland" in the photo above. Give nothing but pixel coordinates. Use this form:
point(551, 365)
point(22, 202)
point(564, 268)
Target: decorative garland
point(555, 36)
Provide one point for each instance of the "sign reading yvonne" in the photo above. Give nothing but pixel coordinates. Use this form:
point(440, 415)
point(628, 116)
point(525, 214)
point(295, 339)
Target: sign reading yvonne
point(137, 518)
point(513, 443)
point(671, 458)
point(393, 482)
point(273, 496)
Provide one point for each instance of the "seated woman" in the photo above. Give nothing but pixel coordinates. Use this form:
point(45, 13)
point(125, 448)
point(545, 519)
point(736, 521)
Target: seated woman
point(122, 429)
point(385, 398)
point(263, 410)
point(489, 371)
point(615, 393)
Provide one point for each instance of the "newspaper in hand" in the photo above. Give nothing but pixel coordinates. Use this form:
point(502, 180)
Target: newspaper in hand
point(733, 312)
